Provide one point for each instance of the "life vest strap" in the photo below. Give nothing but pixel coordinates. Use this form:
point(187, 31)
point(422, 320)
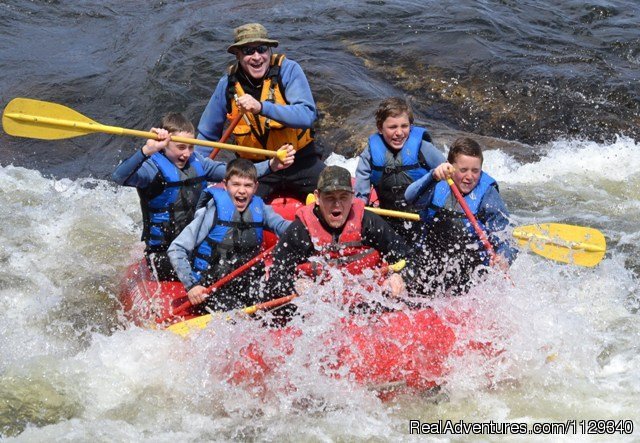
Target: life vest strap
point(351, 258)
point(240, 224)
point(395, 169)
point(338, 246)
point(186, 182)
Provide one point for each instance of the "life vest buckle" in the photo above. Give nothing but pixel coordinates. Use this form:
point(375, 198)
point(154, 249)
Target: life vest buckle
point(389, 170)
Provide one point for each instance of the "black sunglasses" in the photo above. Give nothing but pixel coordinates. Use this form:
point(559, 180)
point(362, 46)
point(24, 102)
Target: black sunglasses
point(250, 50)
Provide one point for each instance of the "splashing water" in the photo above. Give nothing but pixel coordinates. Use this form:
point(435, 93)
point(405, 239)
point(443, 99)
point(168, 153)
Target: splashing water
point(74, 369)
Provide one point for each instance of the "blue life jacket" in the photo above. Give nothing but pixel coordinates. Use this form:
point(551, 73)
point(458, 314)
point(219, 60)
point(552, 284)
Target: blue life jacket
point(449, 235)
point(233, 240)
point(161, 211)
point(473, 199)
point(390, 175)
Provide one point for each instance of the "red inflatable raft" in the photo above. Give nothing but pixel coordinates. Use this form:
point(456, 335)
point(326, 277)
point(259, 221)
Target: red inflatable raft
point(399, 349)
point(408, 348)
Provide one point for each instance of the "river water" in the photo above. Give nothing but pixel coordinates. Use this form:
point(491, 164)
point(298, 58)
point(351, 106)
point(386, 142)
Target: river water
point(550, 89)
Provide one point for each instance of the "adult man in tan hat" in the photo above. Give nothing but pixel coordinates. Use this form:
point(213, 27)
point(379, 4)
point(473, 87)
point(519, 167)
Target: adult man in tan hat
point(337, 228)
point(275, 99)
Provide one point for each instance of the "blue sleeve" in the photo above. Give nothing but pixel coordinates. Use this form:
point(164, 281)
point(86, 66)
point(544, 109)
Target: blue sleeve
point(431, 155)
point(274, 221)
point(363, 176)
point(181, 249)
point(495, 218)
point(214, 116)
point(213, 170)
point(300, 110)
point(420, 192)
point(263, 168)
point(136, 171)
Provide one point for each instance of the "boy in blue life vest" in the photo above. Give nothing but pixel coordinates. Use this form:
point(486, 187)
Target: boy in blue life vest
point(224, 235)
point(169, 178)
point(454, 256)
point(398, 155)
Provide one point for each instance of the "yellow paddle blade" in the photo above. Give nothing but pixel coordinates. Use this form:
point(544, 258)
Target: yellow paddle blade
point(564, 243)
point(184, 328)
point(24, 117)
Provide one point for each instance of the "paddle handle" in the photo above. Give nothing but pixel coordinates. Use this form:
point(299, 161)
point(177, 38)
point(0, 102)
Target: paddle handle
point(395, 267)
point(385, 212)
point(391, 213)
point(250, 310)
point(224, 280)
point(226, 135)
point(193, 141)
point(472, 219)
point(98, 127)
point(269, 304)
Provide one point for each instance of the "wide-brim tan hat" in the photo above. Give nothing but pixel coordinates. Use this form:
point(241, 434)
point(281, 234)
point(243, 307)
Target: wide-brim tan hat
point(250, 33)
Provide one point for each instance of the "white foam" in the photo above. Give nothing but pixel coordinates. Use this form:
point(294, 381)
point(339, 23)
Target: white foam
point(565, 159)
point(569, 344)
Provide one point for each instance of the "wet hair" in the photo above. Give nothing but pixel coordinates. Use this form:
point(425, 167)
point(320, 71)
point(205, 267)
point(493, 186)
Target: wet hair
point(241, 167)
point(392, 107)
point(175, 122)
point(465, 146)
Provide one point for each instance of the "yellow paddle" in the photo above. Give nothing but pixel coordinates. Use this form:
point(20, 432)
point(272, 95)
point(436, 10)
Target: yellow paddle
point(24, 117)
point(577, 245)
point(185, 327)
point(564, 243)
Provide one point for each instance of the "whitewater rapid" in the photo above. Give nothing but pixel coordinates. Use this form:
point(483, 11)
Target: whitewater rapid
point(74, 369)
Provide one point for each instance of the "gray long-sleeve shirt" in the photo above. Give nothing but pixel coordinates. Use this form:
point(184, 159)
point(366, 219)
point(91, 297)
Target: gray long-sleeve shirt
point(431, 155)
point(182, 248)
